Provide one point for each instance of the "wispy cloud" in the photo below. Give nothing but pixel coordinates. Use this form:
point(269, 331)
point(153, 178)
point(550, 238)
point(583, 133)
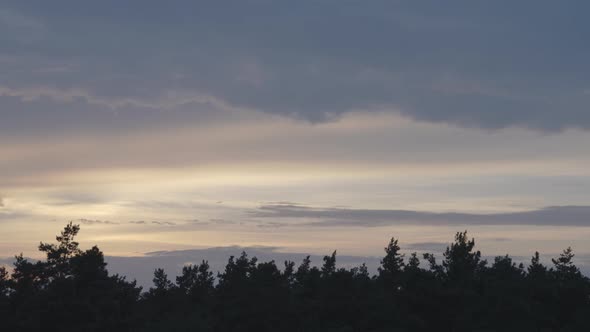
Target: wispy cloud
point(85, 221)
point(167, 99)
point(220, 221)
point(427, 246)
point(165, 223)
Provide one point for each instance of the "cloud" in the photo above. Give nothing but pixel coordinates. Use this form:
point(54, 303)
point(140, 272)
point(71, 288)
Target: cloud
point(427, 246)
point(139, 222)
point(134, 222)
point(96, 222)
point(169, 100)
point(76, 197)
point(1, 201)
point(272, 224)
point(468, 64)
point(549, 216)
point(11, 215)
point(219, 221)
point(155, 222)
point(166, 223)
point(440, 247)
point(15, 20)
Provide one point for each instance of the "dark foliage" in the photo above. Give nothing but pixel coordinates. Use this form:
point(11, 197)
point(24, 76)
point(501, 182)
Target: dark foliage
point(71, 290)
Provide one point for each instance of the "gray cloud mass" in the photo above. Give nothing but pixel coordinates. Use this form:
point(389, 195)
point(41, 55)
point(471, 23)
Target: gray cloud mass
point(475, 64)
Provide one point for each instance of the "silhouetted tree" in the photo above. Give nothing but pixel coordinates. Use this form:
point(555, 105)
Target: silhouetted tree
point(5, 290)
point(392, 264)
point(461, 262)
point(289, 272)
point(161, 282)
point(413, 262)
point(196, 281)
point(573, 289)
point(303, 270)
point(564, 265)
point(329, 266)
point(535, 268)
point(58, 255)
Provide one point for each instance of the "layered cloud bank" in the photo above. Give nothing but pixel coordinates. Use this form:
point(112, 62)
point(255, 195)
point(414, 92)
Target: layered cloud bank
point(469, 64)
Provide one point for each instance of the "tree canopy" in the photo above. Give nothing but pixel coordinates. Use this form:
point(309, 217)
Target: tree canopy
point(71, 290)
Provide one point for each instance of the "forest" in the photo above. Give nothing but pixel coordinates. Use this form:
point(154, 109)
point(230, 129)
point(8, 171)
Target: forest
point(72, 290)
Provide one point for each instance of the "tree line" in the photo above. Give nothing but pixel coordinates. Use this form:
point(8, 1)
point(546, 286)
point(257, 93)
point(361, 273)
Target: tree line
point(71, 290)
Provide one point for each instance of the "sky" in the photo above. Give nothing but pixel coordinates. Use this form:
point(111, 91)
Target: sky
point(294, 126)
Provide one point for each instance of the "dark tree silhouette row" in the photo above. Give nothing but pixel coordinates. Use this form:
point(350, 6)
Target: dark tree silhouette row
point(71, 290)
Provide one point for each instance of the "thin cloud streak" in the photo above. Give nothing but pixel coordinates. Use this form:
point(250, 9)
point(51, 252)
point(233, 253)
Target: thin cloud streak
point(549, 216)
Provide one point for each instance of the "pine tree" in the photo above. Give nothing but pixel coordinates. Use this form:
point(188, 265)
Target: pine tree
point(461, 262)
point(329, 266)
point(535, 268)
point(161, 282)
point(564, 264)
point(58, 255)
point(393, 262)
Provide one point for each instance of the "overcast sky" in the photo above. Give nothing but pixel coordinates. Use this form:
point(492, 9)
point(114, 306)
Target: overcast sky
point(305, 126)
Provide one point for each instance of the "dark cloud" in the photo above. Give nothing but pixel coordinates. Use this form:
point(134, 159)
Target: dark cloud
point(489, 65)
point(549, 216)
